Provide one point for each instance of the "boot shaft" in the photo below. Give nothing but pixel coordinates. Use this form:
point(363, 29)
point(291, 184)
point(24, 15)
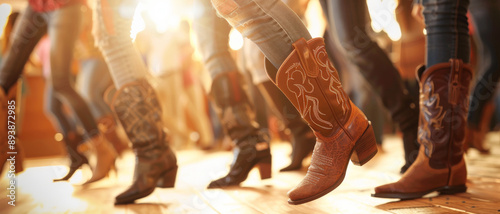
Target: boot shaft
point(311, 83)
point(138, 110)
point(444, 100)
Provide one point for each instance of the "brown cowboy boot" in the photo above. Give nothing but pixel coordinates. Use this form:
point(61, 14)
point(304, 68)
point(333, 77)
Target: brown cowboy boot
point(105, 156)
point(138, 110)
point(72, 140)
point(303, 138)
point(238, 119)
point(440, 166)
point(311, 83)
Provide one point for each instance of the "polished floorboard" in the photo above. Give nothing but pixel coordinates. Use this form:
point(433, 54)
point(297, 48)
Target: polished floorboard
point(36, 193)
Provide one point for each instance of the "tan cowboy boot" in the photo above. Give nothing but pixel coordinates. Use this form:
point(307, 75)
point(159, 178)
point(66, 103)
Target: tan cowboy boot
point(107, 126)
point(309, 80)
point(106, 157)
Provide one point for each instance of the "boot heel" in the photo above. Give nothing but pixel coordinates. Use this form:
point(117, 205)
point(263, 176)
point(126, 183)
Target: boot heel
point(168, 178)
point(265, 168)
point(365, 148)
point(450, 190)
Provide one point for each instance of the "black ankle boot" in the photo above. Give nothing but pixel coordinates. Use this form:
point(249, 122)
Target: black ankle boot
point(72, 140)
point(138, 110)
point(303, 139)
point(238, 119)
point(252, 151)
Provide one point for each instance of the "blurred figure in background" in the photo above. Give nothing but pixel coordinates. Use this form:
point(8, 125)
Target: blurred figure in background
point(169, 58)
point(486, 22)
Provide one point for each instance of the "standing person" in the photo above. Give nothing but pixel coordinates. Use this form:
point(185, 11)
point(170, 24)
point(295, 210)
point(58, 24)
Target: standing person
point(62, 21)
point(61, 120)
point(233, 105)
point(301, 69)
point(135, 103)
point(444, 97)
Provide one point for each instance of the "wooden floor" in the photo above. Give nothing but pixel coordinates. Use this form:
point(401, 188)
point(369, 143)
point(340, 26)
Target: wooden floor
point(36, 193)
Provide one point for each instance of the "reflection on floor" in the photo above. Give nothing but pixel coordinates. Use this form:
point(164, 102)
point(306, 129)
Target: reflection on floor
point(36, 193)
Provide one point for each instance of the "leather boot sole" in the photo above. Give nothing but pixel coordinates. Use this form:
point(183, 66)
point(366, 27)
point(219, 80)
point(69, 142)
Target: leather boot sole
point(166, 180)
point(445, 190)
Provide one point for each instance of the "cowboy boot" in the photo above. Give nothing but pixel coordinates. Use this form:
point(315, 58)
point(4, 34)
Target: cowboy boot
point(440, 166)
point(107, 126)
point(106, 157)
point(7, 149)
point(311, 83)
point(137, 108)
point(72, 140)
point(303, 138)
point(238, 118)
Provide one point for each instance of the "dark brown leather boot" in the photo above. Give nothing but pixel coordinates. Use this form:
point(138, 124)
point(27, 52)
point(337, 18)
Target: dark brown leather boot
point(440, 166)
point(72, 140)
point(138, 110)
point(311, 83)
point(303, 138)
point(238, 119)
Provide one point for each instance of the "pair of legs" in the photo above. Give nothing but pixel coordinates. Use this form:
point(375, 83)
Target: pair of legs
point(63, 27)
point(65, 123)
point(233, 104)
point(231, 97)
point(348, 21)
point(135, 103)
point(309, 80)
point(94, 81)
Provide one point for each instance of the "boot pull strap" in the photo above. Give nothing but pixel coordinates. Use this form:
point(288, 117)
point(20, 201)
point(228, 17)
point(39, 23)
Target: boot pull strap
point(306, 57)
point(454, 85)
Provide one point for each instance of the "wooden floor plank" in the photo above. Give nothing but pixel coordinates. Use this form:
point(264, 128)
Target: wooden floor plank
point(37, 193)
point(465, 203)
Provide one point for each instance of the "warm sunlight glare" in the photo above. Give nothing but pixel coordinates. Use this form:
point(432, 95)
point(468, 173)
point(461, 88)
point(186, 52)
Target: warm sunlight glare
point(383, 15)
point(5, 10)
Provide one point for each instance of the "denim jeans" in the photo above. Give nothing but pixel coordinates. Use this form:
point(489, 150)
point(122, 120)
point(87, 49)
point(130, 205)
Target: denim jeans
point(93, 80)
point(447, 30)
point(268, 23)
point(112, 20)
point(486, 20)
point(212, 34)
point(63, 26)
point(54, 110)
point(348, 21)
